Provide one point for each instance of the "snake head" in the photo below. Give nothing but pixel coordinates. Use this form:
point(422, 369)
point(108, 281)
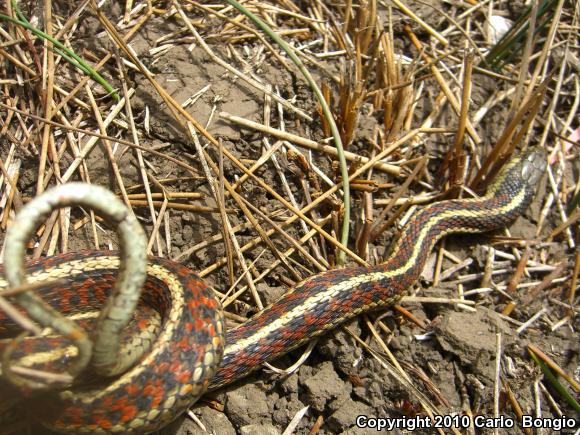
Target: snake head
point(533, 166)
point(521, 174)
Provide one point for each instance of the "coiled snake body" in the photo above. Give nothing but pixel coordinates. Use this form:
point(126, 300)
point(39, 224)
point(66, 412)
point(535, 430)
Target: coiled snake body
point(187, 352)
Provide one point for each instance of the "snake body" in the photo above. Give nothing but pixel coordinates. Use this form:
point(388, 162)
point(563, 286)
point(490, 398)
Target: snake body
point(187, 352)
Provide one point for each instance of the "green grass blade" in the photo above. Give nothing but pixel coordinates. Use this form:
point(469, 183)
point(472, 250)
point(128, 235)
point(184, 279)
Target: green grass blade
point(563, 392)
point(327, 114)
point(69, 55)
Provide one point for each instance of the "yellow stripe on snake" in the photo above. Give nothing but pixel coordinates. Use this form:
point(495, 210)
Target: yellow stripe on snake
point(191, 355)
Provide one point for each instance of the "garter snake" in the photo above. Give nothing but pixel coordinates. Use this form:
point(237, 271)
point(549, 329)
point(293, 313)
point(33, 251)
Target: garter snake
point(175, 372)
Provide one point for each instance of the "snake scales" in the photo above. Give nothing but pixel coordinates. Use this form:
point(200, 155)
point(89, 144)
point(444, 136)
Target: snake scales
point(184, 360)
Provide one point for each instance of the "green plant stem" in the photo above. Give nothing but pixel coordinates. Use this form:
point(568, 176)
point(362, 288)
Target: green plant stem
point(66, 53)
point(564, 394)
point(327, 114)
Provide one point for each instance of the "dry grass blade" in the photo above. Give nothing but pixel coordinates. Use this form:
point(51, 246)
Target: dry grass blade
point(384, 167)
point(506, 145)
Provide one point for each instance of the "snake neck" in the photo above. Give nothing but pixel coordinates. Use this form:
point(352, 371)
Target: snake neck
point(325, 300)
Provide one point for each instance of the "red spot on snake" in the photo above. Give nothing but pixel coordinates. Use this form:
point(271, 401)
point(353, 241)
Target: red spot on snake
point(154, 390)
point(131, 389)
point(183, 344)
point(102, 421)
point(184, 377)
point(199, 323)
point(128, 413)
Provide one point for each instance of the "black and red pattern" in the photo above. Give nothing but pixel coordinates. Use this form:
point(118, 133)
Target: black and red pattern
point(347, 292)
point(504, 202)
point(200, 322)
